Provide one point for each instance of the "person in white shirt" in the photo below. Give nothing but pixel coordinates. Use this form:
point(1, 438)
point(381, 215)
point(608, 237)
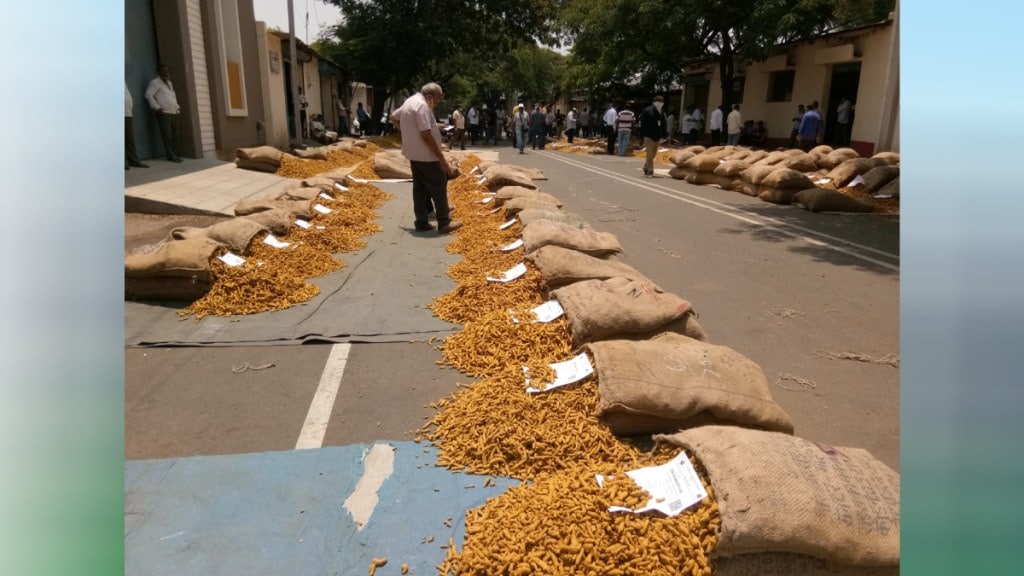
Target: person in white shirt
point(131, 158)
point(473, 115)
point(697, 129)
point(421, 144)
point(570, 125)
point(460, 127)
point(716, 126)
point(624, 128)
point(843, 122)
point(164, 102)
point(609, 127)
point(735, 125)
point(686, 125)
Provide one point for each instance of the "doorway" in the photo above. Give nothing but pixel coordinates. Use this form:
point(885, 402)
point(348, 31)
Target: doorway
point(140, 66)
point(845, 82)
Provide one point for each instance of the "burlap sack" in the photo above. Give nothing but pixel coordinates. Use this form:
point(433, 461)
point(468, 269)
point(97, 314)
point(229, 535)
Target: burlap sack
point(777, 195)
point(167, 288)
point(826, 200)
point(320, 182)
point(738, 154)
point(236, 233)
point(531, 173)
point(392, 165)
point(279, 221)
point(619, 307)
point(800, 162)
point(822, 149)
point(174, 258)
point(304, 193)
point(300, 208)
point(517, 205)
point(340, 174)
point(265, 154)
point(484, 166)
point(679, 172)
point(787, 178)
point(560, 266)
point(779, 493)
point(359, 143)
point(786, 564)
point(848, 170)
point(890, 158)
point(715, 149)
point(756, 155)
point(706, 162)
point(257, 165)
point(702, 178)
point(880, 176)
point(748, 188)
point(501, 176)
point(837, 157)
point(503, 195)
point(892, 188)
point(587, 240)
point(697, 149)
point(727, 182)
point(531, 215)
point(821, 161)
point(314, 153)
point(772, 159)
point(679, 157)
point(756, 174)
point(670, 382)
point(732, 168)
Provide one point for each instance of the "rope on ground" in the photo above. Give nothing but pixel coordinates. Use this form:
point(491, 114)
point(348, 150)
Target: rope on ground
point(805, 384)
point(246, 366)
point(781, 314)
point(890, 359)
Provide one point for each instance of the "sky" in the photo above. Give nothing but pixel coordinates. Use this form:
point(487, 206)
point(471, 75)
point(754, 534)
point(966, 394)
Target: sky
point(275, 14)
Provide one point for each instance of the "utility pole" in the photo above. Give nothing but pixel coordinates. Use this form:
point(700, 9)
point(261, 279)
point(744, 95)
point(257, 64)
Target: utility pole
point(295, 72)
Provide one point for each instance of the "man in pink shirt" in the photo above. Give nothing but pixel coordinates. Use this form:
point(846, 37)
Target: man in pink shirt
point(421, 144)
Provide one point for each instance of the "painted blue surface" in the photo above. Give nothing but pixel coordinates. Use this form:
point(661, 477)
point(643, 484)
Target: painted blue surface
point(283, 513)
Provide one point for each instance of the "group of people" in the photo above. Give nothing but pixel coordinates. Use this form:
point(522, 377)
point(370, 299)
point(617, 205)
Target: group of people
point(163, 101)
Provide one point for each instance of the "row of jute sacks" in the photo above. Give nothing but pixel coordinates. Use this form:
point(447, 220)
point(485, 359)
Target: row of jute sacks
point(178, 267)
point(786, 176)
point(788, 505)
point(388, 164)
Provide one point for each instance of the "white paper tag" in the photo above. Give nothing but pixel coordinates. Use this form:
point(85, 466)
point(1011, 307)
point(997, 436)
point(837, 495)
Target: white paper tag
point(273, 241)
point(568, 372)
point(673, 486)
point(510, 274)
point(475, 169)
point(857, 181)
point(321, 227)
point(546, 312)
point(340, 187)
point(322, 209)
point(327, 197)
point(823, 181)
point(232, 259)
point(507, 225)
point(487, 200)
point(882, 196)
point(517, 244)
point(481, 180)
point(302, 223)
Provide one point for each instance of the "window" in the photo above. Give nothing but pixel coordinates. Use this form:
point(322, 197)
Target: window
point(780, 86)
point(232, 74)
point(738, 85)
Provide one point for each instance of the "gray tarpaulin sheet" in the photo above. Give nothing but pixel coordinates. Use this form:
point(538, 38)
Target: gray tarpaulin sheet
point(381, 295)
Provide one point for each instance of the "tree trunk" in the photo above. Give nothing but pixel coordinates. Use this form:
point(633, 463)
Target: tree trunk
point(725, 70)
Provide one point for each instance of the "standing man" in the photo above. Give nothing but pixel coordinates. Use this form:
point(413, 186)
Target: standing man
point(131, 158)
point(735, 125)
point(843, 113)
point(473, 115)
point(303, 105)
point(810, 126)
point(624, 128)
point(716, 125)
point(421, 144)
point(570, 125)
point(697, 128)
point(686, 126)
point(652, 130)
point(459, 122)
point(361, 115)
point(520, 126)
point(609, 127)
point(796, 126)
point(163, 101)
point(670, 124)
point(499, 114)
point(538, 127)
point(584, 123)
point(342, 117)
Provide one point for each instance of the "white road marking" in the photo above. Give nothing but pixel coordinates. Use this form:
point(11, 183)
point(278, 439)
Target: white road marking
point(805, 234)
point(377, 467)
point(315, 426)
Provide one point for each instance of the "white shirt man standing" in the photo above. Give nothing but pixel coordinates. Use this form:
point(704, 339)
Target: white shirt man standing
point(716, 126)
point(609, 127)
point(735, 125)
point(164, 102)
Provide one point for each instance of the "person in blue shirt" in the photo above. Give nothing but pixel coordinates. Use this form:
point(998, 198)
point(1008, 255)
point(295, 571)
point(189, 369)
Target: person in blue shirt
point(810, 127)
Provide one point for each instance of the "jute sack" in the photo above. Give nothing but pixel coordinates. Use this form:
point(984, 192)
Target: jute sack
point(756, 174)
point(800, 162)
point(825, 200)
point(300, 208)
point(618, 307)
point(392, 165)
point(531, 215)
point(756, 155)
point(880, 176)
point(728, 183)
point(892, 188)
point(715, 149)
point(697, 149)
point(266, 154)
point(531, 173)
point(732, 168)
point(787, 178)
point(779, 493)
point(178, 270)
point(706, 162)
point(321, 182)
point(587, 240)
point(738, 154)
point(702, 178)
point(786, 564)
point(507, 193)
point(890, 158)
point(517, 205)
point(315, 153)
point(304, 193)
point(257, 165)
point(679, 157)
point(236, 233)
point(669, 382)
point(772, 159)
point(848, 170)
point(777, 195)
point(279, 221)
point(560, 266)
point(339, 174)
point(837, 157)
point(501, 176)
point(679, 172)
point(822, 149)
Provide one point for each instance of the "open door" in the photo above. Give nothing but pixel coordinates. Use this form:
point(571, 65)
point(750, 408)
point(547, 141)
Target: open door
point(845, 82)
